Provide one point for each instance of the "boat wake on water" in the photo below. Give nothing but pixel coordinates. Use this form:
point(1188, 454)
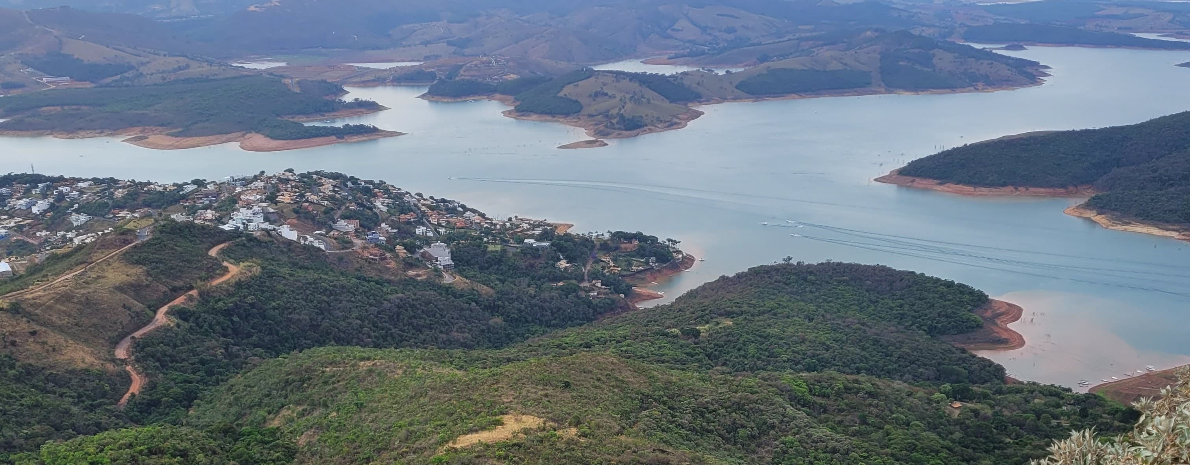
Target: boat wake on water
point(1130, 274)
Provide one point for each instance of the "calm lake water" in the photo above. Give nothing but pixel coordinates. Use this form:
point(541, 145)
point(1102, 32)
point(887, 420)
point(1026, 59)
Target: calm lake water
point(1099, 303)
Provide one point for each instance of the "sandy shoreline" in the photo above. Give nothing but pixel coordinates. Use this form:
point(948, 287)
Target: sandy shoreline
point(1119, 224)
point(642, 294)
point(897, 179)
point(250, 142)
point(1129, 390)
point(584, 144)
point(155, 138)
point(995, 334)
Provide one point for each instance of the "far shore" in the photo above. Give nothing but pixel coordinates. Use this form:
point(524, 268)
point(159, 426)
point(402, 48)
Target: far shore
point(596, 130)
point(995, 335)
point(157, 138)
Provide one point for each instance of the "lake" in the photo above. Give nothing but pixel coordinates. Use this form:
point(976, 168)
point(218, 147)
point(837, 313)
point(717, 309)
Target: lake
point(1098, 303)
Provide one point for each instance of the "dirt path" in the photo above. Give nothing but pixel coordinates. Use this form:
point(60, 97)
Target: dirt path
point(71, 274)
point(159, 320)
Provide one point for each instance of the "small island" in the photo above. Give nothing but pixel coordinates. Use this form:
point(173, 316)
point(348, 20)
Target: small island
point(261, 113)
point(1135, 177)
point(584, 144)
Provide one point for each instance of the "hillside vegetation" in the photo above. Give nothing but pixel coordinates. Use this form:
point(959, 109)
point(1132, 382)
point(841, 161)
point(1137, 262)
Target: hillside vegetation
point(187, 108)
point(832, 363)
point(1142, 171)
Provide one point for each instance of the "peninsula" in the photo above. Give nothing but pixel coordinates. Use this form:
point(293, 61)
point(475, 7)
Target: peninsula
point(617, 104)
point(261, 113)
point(1136, 176)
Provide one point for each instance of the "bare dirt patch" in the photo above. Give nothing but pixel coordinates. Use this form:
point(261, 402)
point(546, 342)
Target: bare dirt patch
point(1133, 389)
point(896, 178)
point(513, 425)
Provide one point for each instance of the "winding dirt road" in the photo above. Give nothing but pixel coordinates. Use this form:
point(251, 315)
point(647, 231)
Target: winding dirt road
point(70, 275)
point(159, 320)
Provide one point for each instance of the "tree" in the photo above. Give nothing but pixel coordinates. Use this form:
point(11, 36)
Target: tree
point(1162, 437)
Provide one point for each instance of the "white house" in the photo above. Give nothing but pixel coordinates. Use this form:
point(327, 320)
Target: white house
point(5, 270)
point(79, 219)
point(287, 232)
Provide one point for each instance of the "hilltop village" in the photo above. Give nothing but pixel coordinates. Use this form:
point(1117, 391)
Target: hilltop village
point(371, 221)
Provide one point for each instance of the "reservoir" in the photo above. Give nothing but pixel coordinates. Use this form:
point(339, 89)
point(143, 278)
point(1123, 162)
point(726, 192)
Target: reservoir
point(1098, 303)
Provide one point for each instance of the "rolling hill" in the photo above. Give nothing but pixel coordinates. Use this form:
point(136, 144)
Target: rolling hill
point(780, 364)
point(1138, 171)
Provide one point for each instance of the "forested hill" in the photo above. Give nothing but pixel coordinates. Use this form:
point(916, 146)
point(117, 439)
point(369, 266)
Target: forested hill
point(189, 108)
point(784, 364)
point(1142, 171)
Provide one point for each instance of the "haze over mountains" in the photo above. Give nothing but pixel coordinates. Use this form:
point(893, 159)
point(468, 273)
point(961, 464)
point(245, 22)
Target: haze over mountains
point(324, 318)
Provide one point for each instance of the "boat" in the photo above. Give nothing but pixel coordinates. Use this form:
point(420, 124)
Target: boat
point(1113, 378)
point(1150, 368)
point(328, 121)
point(764, 223)
point(702, 259)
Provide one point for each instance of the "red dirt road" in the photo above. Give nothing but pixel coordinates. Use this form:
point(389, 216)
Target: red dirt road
point(159, 320)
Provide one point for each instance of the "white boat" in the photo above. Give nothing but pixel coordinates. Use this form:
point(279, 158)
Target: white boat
point(764, 223)
point(1150, 368)
point(1104, 380)
point(1113, 378)
point(702, 259)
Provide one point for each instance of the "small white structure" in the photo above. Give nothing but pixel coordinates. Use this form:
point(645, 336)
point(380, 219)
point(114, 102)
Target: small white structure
point(343, 226)
point(5, 270)
point(440, 254)
point(79, 219)
point(40, 207)
point(288, 232)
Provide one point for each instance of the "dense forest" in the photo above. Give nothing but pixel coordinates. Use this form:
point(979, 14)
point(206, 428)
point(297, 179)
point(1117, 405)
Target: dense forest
point(61, 64)
point(352, 404)
point(299, 301)
point(1142, 171)
point(194, 108)
point(779, 81)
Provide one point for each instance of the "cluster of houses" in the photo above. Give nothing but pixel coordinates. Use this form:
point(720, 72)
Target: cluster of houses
point(329, 211)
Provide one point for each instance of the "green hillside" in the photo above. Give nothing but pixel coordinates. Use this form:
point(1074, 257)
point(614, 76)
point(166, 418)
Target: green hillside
point(786, 364)
point(1141, 170)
